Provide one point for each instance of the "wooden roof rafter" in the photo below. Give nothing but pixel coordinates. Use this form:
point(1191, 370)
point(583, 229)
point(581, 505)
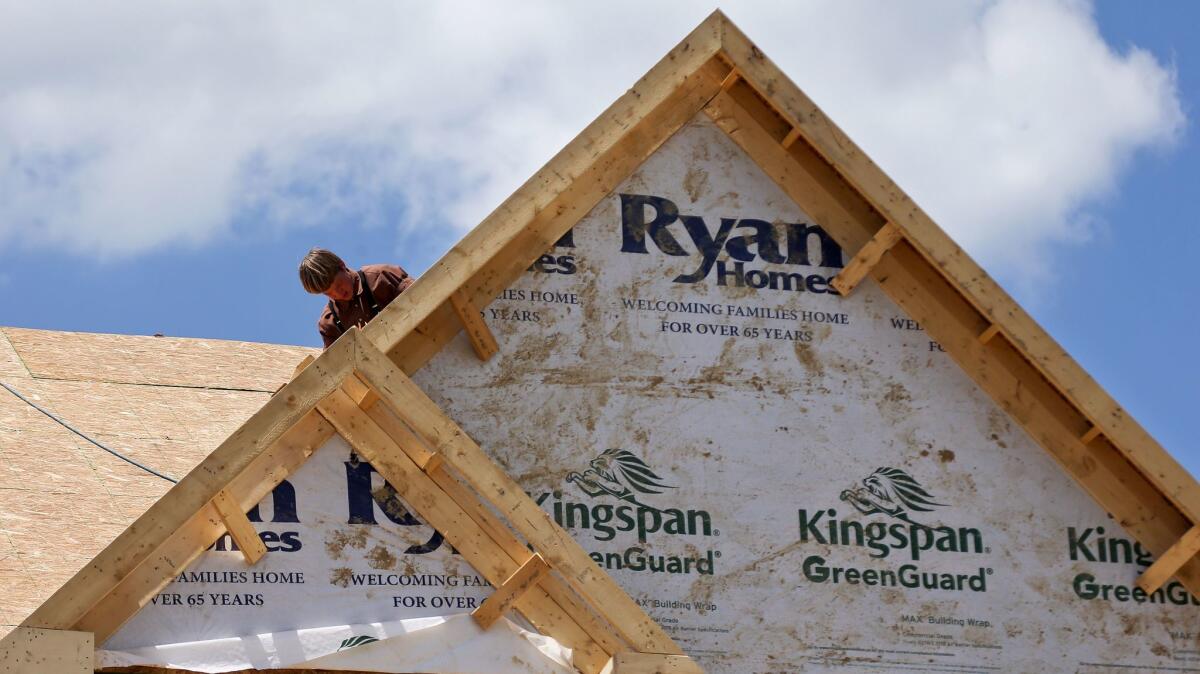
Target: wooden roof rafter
point(718, 70)
point(355, 391)
point(991, 338)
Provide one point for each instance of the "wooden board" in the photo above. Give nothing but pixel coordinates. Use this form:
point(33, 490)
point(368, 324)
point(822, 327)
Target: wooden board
point(876, 189)
point(443, 514)
point(477, 331)
point(28, 650)
point(650, 663)
point(203, 528)
point(188, 498)
point(418, 323)
point(866, 259)
point(998, 367)
point(239, 527)
point(535, 525)
point(513, 588)
point(1170, 562)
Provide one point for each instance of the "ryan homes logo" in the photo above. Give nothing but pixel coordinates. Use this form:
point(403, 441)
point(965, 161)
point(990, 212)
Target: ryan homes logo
point(623, 487)
point(732, 249)
point(902, 501)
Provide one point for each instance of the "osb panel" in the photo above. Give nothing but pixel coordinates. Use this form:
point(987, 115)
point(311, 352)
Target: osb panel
point(15, 414)
point(73, 525)
point(165, 361)
point(45, 458)
point(136, 411)
point(10, 364)
point(62, 499)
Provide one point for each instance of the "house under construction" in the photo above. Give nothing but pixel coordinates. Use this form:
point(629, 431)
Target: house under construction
point(709, 392)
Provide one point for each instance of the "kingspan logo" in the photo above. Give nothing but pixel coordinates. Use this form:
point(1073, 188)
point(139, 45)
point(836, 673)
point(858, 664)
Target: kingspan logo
point(890, 491)
point(620, 475)
point(894, 493)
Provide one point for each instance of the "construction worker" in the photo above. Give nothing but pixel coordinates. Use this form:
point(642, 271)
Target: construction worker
point(355, 297)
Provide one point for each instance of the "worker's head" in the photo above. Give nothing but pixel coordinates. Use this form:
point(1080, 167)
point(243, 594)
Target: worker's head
point(323, 273)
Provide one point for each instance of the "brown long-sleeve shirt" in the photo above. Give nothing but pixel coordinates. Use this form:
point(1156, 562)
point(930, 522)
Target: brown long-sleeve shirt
point(386, 281)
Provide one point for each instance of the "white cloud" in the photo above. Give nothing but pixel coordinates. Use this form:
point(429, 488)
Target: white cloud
point(126, 127)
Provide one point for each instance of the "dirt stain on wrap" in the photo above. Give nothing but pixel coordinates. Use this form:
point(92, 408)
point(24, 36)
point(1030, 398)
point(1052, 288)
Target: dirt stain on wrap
point(695, 182)
point(807, 358)
point(341, 576)
point(336, 544)
point(381, 558)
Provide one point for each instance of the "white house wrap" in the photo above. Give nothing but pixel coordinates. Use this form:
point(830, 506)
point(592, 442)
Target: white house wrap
point(786, 479)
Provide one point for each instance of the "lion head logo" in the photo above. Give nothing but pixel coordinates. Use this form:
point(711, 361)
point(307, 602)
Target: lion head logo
point(890, 491)
point(621, 474)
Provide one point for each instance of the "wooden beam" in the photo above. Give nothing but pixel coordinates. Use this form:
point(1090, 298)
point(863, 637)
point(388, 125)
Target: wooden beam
point(920, 290)
point(304, 362)
point(1092, 434)
point(512, 589)
point(434, 466)
point(415, 347)
point(239, 527)
point(362, 394)
point(482, 339)
point(652, 663)
point(203, 528)
point(866, 259)
point(397, 430)
point(490, 257)
point(870, 184)
point(441, 512)
point(1169, 563)
point(164, 520)
point(730, 79)
point(494, 486)
point(987, 335)
point(600, 632)
point(791, 137)
point(27, 650)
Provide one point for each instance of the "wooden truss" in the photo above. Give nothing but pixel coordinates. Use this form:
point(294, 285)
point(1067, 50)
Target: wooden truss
point(443, 474)
point(355, 391)
point(717, 71)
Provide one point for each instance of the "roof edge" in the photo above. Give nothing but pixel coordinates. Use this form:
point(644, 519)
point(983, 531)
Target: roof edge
point(976, 285)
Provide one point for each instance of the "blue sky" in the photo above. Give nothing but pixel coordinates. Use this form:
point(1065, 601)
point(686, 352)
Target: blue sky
point(175, 194)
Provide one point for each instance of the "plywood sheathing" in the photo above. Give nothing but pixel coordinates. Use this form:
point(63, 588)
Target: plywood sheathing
point(62, 499)
point(11, 366)
point(163, 361)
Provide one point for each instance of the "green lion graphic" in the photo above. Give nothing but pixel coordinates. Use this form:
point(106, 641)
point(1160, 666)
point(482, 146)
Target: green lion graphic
point(890, 491)
point(621, 474)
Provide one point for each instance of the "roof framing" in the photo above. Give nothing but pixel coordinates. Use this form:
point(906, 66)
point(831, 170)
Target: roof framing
point(717, 70)
point(357, 392)
point(447, 477)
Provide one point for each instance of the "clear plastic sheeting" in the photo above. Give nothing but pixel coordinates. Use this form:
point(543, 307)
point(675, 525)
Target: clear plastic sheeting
point(449, 644)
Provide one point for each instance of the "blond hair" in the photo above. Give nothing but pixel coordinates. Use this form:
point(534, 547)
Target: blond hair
point(318, 269)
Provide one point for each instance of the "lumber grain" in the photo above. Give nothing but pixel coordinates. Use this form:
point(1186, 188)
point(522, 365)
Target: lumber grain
point(874, 187)
point(1170, 561)
point(439, 432)
point(441, 512)
point(927, 296)
point(512, 589)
